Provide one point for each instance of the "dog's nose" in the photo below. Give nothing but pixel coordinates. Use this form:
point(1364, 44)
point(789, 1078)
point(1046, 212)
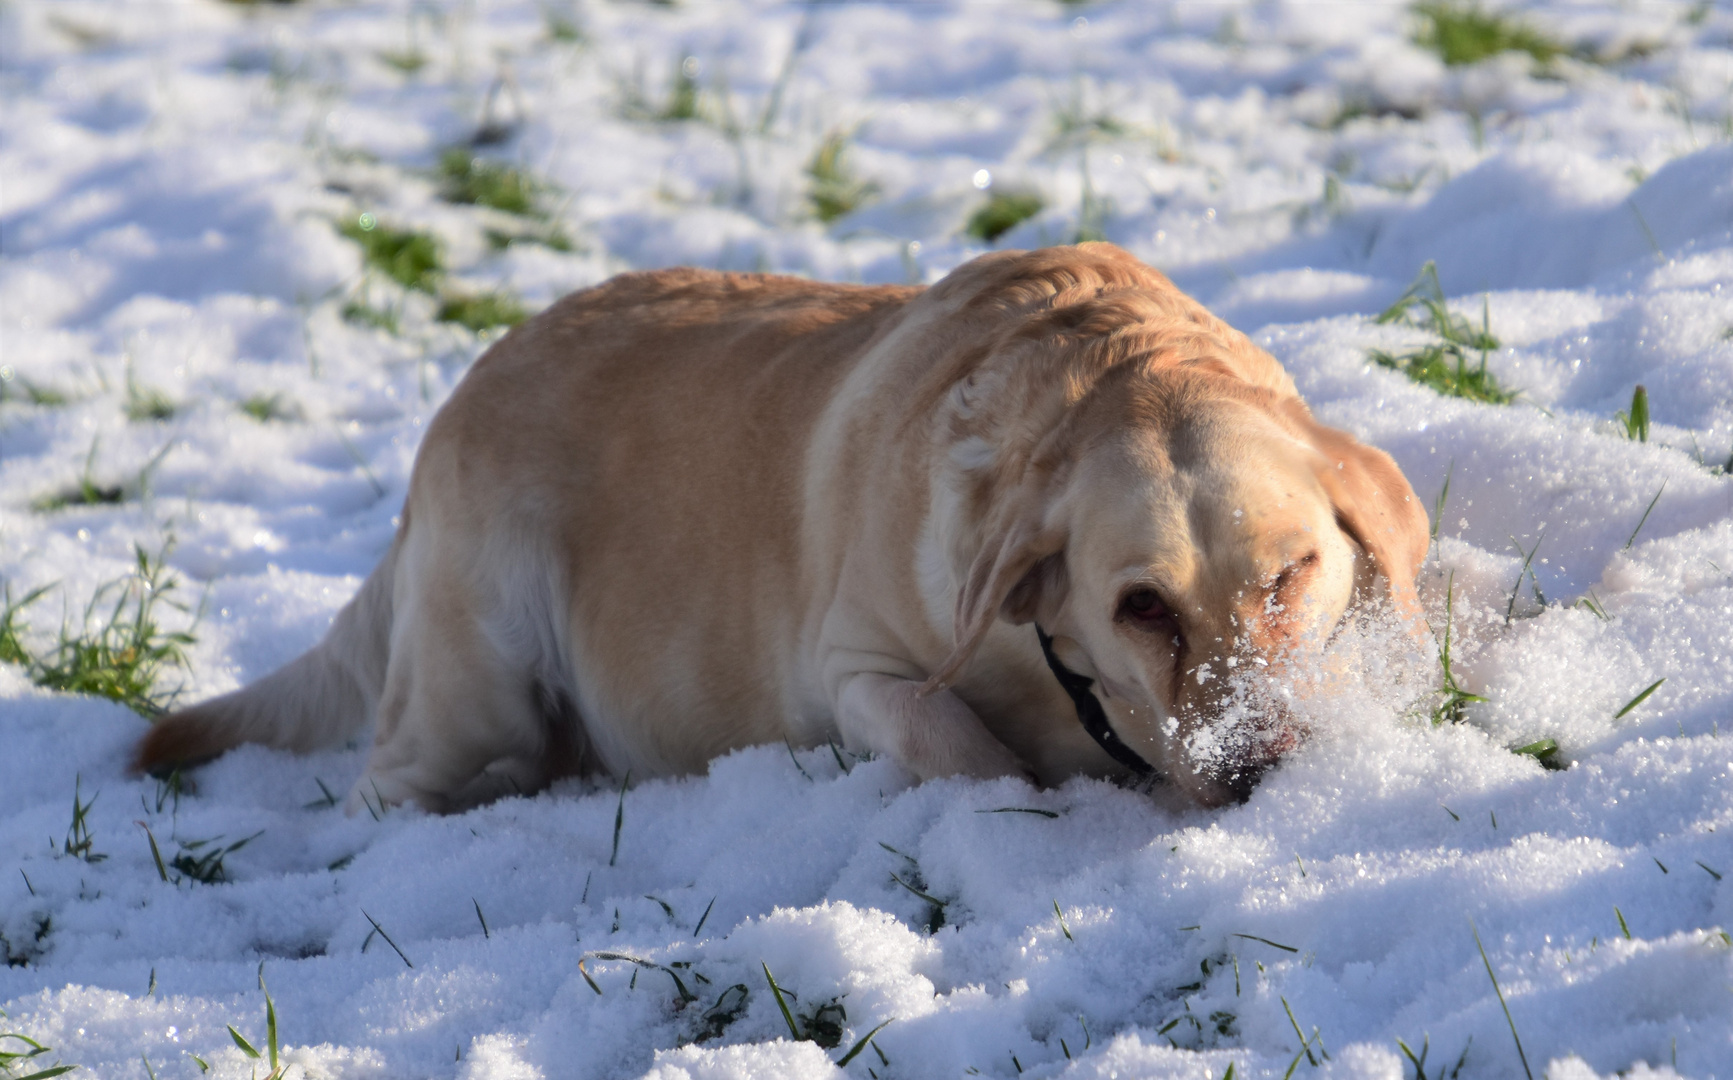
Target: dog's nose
point(1269, 743)
point(1242, 780)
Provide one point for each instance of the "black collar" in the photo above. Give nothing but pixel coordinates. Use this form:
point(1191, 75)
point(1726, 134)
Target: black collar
point(1090, 712)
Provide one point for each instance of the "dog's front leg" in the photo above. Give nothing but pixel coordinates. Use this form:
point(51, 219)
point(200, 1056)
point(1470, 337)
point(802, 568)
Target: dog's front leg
point(932, 736)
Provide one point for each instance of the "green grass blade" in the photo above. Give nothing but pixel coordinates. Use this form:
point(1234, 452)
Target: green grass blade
point(781, 1003)
point(241, 1041)
point(619, 818)
point(1639, 699)
point(1645, 518)
point(1266, 941)
point(1443, 498)
point(271, 1032)
point(585, 973)
point(380, 930)
point(935, 901)
point(155, 852)
point(1501, 1002)
point(1305, 1043)
point(854, 1051)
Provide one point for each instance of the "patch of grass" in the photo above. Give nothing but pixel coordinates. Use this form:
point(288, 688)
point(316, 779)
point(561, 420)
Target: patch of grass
point(1076, 124)
point(412, 259)
point(1443, 364)
point(466, 178)
point(822, 1024)
point(1527, 571)
point(1092, 209)
point(835, 191)
point(730, 1006)
point(1359, 106)
point(482, 311)
point(1419, 1062)
point(562, 27)
point(1466, 33)
point(80, 842)
point(1544, 751)
point(1636, 422)
point(687, 997)
point(1306, 1041)
point(912, 880)
point(1591, 603)
point(18, 1051)
point(1453, 698)
point(551, 237)
point(1002, 212)
point(202, 860)
point(122, 656)
point(406, 61)
point(361, 313)
point(14, 387)
point(683, 95)
point(12, 647)
point(87, 492)
point(685, 100)
point(268, 407)
point(271, 1055)
point(147, 403)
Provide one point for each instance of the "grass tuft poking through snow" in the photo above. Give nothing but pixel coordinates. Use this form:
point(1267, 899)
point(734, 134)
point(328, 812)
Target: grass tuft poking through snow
point(478, 181)
point(1635, 420)
point(147, 404)
point(18, 1054)
point(122, 656)
point(835, 191)
point(482, 311)
point(412, 259)
point(1442, 364)
point(1466, 33)
point(269, 408)
point(1002, 212)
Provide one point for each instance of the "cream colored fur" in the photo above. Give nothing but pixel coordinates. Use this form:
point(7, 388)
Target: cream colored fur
point(684, 512)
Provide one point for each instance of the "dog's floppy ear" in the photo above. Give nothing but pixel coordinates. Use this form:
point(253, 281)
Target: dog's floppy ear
point(1019, 574)
point(1375, 506)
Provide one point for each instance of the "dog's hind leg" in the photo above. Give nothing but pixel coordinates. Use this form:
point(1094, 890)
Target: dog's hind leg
point(931, 736)
point(466, 715)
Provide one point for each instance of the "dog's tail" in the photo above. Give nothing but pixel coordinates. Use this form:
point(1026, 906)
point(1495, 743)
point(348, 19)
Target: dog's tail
point(321, 697)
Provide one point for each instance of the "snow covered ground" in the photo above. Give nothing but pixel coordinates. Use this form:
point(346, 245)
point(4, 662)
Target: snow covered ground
point(196, 362)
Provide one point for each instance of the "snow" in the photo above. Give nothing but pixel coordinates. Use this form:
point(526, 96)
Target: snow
point(173, 173)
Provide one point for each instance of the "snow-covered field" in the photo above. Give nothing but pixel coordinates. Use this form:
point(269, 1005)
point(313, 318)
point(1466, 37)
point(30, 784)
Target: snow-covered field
point(197, 362)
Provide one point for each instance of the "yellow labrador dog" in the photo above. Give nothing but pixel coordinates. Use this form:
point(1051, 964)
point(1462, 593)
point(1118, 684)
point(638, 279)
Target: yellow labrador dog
point(684, 512)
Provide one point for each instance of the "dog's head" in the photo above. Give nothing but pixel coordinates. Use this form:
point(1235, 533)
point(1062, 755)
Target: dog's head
point(1176, 525)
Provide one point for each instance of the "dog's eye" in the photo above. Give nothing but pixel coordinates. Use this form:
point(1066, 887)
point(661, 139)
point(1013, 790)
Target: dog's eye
point(1294, 571)
point(1144, 604)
